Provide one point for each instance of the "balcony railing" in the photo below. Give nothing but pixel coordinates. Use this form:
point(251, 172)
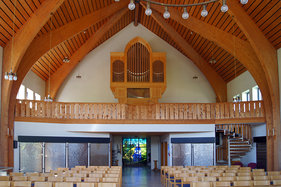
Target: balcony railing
point(214, 112)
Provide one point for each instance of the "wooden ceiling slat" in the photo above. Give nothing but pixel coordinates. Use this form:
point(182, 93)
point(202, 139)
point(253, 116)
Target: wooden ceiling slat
point(38, 73)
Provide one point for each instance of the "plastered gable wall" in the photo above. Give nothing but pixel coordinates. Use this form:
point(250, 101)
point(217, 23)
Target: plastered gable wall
point(94, 86)
point(35, 83)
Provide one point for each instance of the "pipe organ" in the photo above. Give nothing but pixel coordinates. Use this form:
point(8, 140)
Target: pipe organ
point(138, 75)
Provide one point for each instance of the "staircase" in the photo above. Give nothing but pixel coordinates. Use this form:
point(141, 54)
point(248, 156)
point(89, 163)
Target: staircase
point(238, 141)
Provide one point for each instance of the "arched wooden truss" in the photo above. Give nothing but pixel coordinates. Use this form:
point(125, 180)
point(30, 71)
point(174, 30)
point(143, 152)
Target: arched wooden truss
point(138, 75)
point(254, 50)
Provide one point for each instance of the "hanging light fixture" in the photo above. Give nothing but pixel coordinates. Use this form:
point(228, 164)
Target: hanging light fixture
point(132, 5)
point(212, 60)
point(11, 76)
point(148, 10)
point(243, 2)
point(204, 11)
point(66, 60)
point(49, 98)
point(166, 14)
point(185, 14)
point(224, 7)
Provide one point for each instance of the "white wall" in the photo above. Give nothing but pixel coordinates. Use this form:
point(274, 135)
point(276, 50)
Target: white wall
point(94, 86)
point(251, 156)
point(243, 82)
point(35, 83)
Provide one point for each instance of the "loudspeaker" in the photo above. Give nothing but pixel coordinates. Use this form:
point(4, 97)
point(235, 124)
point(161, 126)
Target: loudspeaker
point(15, 144)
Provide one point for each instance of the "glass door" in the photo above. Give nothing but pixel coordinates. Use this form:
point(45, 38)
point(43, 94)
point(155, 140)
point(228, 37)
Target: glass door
point(134, 152)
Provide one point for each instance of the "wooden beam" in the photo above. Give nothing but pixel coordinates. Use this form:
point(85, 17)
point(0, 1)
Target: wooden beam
point(267, 56)
point(137, 12)
point(60, 75)
point(214, 79)
point(21, 41)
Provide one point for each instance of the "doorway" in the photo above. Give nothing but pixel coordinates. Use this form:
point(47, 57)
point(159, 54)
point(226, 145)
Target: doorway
point(134, 152)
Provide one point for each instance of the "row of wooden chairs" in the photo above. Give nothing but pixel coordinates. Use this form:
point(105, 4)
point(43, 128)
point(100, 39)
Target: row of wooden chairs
point(235, 183)
point(56, 184)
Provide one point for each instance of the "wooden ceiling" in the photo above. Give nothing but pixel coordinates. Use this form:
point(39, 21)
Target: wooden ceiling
point(265, 13)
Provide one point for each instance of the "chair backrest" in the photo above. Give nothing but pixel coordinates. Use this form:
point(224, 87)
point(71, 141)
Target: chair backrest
point(4, 178)
point(86, 184)
point(55, 179)
point(114, 175)
point(262, 183)
point(201, 184)
point(221, 183)
point(229, 174)
point(43, 184)
point(113, 171)
point(79, 175)
point(37, 179)
point(243, 178)
point(260, 178)
point(113, 180)
point(230, 171)
point(230, 179)
point(275, 177)
point(242, 183)
point(209, 179)
point(214, 174)
point(259, 173)
point(16, 174)
point(245, 168)
point(63, 169)
point(107, 184)
point(258, 170)
point(273, 173)
point(189, 179)
point(92, 180)
point(63, 184)
point(200, 175)
point(72, 179)
point(19, 178)
point(93, 175)
point(80, 167)
point(244, 174)
point(31, 174)
point(100, 171)
point(276, 182)
point(21, 184)
point(5, 183)
point(45, 174)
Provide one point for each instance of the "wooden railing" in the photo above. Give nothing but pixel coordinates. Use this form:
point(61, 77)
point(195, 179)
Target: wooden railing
point(163, 111)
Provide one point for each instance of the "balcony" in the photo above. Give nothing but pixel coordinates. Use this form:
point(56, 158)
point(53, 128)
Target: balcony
point(162, 113)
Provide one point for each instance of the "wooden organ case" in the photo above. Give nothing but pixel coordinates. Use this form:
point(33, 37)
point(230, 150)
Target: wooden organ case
point(138, 75)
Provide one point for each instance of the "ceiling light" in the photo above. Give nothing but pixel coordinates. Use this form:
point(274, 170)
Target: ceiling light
point(185, 14)
point(10, 76)
point(166, 14)
point(48, 99)
point(243, 2)
point(204, 12)
point(66, 60)
point(132, 5)
point(148, 10)
point(224, 7)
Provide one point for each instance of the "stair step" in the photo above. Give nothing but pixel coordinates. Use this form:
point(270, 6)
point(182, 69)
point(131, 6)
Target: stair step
point(240, 148)
point(244, 145)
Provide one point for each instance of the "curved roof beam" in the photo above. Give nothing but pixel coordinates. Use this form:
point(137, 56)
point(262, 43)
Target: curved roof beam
point(21, 41)
point(61, 74)
point(267, 56)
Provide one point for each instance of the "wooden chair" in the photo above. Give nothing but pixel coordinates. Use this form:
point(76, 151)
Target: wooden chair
point(63, 169)
point(113, 171)
point(243, 178)
point(261, 178)
point(36, 179)
point(55, 179)
point(100, 171)
point(107, 184)
point(230, 171)
point(221, 183)
point(230, 179)
point(214, 174)
point(43, 184)
point(229, 174)
point(258, 170)
point(5, 183)
point(262, 183)
point(96, 175)
point(275, 177)
point(81, 175)
point(63, 184)
point(242, 183)
point(21, 184)
point(244, 174)
point(245, 168)
point(86, 184)
point(259, 173)
point(5, 178)
point(113, 175)
point(276, 182)
point(19, 178)
point(80, 167)
point(273, 173)
point(110, 180)
point(95, 180)
point(201, 184)
point(209, 179)
point(72, 179)
point(244, 171)
point(29, 174)
point(16, 174)
point(46, 175)
point(188, 180)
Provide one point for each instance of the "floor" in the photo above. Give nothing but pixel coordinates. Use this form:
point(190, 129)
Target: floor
point(140, 177)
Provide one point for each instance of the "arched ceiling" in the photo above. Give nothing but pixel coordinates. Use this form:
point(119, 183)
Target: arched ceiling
point(265, 13)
